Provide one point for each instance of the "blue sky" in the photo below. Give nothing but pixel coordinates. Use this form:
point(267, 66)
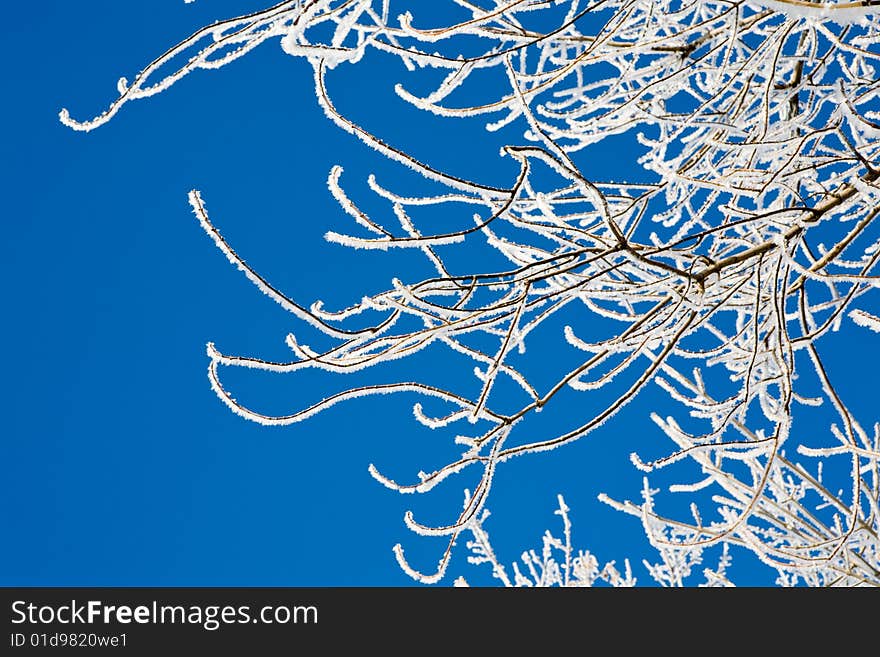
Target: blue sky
point(120, 465)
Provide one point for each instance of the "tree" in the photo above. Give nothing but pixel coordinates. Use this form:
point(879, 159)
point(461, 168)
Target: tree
point(743, 237)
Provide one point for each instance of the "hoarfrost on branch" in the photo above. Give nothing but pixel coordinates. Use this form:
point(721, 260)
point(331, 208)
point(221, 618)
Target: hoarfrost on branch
point(748, 234)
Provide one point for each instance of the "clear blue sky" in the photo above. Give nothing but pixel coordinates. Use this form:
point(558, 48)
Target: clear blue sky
point(120, 466)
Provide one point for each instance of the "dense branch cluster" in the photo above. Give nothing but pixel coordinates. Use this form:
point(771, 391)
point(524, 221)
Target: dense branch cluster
point(744, 236)
point(559, 563)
